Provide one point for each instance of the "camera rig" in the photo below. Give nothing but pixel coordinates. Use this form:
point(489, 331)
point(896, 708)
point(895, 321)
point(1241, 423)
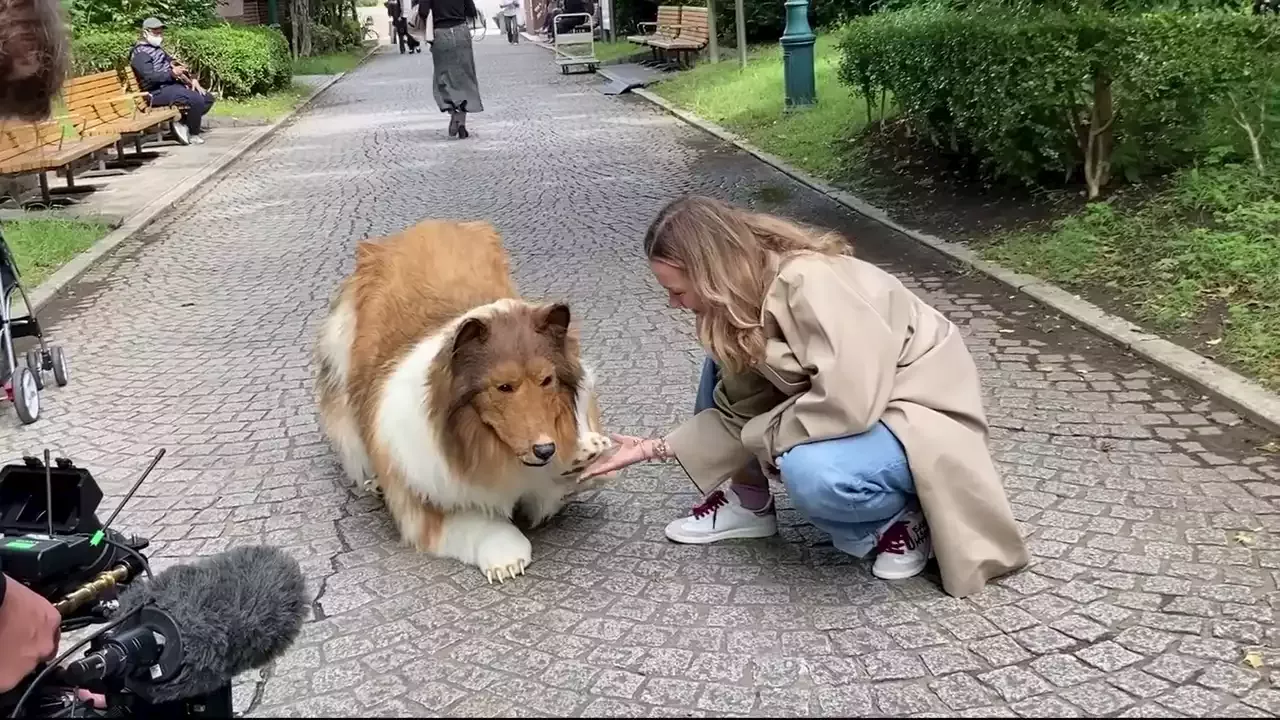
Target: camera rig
point(52, 542)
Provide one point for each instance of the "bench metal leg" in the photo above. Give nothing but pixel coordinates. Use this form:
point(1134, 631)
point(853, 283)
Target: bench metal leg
point(71, 187)
point(134, 159)
point(45, 195)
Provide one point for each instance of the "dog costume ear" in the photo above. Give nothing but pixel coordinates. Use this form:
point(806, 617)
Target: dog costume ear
point(553, 320)
point(472, 330)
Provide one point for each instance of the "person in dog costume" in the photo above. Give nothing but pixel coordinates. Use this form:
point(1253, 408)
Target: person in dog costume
point(826, 373)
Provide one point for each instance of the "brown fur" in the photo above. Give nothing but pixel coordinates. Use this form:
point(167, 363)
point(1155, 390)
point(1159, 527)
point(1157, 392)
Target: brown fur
point(507, 382)
point(34, 58)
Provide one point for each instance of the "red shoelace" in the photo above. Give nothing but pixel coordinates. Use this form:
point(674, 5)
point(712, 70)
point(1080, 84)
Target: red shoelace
point(713, 502)
point(901, 537)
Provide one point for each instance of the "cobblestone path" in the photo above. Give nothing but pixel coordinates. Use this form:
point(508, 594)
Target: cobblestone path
point(1154, 517)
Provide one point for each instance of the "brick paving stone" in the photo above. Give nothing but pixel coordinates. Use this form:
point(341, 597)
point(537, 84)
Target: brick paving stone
point(196, 336)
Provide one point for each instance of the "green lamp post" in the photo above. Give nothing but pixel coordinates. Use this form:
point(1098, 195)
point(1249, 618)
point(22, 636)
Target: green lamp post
point(797, 57)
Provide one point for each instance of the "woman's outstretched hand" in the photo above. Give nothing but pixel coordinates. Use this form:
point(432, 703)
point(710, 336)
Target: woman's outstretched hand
point(630, 450)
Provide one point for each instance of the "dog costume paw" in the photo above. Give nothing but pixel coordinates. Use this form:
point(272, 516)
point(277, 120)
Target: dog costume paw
point(504, 555)
point(591, 446)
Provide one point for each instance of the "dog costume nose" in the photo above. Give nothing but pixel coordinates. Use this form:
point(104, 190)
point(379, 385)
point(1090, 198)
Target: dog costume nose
point(544, 451)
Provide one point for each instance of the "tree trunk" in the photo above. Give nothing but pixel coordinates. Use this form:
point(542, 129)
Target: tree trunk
point(304, 7)
point(1100, 137)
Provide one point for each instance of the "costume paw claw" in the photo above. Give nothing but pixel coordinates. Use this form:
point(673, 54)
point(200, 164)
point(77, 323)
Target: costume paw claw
point(505, 572)
point(591, 446)
point(504, 554)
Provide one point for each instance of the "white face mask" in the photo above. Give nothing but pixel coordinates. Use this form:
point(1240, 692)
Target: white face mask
point(154, 39)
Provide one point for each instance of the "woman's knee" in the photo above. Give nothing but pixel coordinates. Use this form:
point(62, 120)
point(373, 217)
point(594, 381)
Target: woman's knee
point(853, 479)
point(811, 479)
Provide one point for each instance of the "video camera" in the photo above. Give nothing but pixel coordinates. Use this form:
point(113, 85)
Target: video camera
point(52, 542)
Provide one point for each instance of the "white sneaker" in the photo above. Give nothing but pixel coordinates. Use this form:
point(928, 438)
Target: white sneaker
point(722, 517)
point(197, 140)
point(904, 548)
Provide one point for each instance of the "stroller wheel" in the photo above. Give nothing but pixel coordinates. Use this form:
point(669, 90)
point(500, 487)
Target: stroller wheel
point(59, 366)
point(35, 365)
point(26, 396)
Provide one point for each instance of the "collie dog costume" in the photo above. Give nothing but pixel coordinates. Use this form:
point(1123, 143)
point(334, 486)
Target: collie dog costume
point(462, 403)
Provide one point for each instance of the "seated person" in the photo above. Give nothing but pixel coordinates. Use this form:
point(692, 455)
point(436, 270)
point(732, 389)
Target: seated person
point(169, 82)
point(554, 7)
point(572, 7)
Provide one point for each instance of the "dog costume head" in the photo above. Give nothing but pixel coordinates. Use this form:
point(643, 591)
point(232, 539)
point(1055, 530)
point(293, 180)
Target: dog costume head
point(517, 373)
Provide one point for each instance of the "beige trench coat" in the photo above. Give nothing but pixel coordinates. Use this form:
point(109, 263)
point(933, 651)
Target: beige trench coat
point(849, 345)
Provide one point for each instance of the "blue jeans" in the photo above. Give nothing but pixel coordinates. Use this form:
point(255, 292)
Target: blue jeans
point(853, 488)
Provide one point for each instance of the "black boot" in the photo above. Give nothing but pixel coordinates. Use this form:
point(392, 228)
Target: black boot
point(462, 126)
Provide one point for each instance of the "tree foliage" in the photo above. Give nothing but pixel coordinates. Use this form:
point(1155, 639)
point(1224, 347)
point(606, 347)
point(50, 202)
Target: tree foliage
point(1060, 92)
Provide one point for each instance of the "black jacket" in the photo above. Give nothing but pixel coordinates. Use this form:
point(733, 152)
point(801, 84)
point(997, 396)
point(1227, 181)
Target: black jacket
point(447, 13)
point(153, 66)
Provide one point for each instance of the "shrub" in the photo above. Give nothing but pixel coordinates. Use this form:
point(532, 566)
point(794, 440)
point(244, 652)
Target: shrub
point(766, 19)
point(231, 60)
point(129, 14)
point(1054, 93)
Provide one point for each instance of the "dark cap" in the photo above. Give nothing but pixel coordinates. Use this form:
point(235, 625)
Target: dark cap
point(153, 23)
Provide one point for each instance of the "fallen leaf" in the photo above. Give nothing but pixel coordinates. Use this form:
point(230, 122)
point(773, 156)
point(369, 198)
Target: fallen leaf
point(1244, 538)
point(1253, 659)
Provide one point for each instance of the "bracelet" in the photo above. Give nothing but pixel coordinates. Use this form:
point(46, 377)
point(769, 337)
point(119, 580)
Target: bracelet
point(661, 450)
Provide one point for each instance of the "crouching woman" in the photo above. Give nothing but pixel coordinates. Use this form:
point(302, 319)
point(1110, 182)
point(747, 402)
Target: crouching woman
point(826, 373)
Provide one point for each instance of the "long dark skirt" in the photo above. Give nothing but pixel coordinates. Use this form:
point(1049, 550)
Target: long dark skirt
point(454, 78)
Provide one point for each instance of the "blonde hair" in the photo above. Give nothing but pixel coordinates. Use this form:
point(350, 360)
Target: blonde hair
point(731, 256)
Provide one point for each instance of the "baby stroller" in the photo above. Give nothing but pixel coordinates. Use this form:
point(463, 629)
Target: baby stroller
point(22, 384)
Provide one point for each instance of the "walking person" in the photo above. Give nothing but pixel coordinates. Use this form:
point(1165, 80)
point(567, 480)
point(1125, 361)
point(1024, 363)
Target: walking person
point(511, 21)
point(453, 82)
point(404, 38)
point(827, 374)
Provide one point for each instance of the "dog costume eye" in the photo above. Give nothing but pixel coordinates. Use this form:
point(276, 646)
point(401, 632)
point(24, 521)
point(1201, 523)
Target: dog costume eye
point(546, 381)
point(506, 387)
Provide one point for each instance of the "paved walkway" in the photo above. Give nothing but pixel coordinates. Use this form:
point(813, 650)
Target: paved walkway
point(1154, 520)
point(122, 192)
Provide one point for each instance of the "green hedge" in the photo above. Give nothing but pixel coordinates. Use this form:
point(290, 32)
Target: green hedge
point(1019, 92)
point(231, 60)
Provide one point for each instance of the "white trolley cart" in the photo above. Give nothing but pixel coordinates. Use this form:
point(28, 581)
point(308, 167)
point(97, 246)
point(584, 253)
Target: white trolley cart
point(574, 43)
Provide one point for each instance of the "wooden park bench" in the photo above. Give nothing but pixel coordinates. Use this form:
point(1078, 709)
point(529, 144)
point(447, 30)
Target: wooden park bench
point(110, 107)
point(43, 147)
point(692, 35)
point(666, 26)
